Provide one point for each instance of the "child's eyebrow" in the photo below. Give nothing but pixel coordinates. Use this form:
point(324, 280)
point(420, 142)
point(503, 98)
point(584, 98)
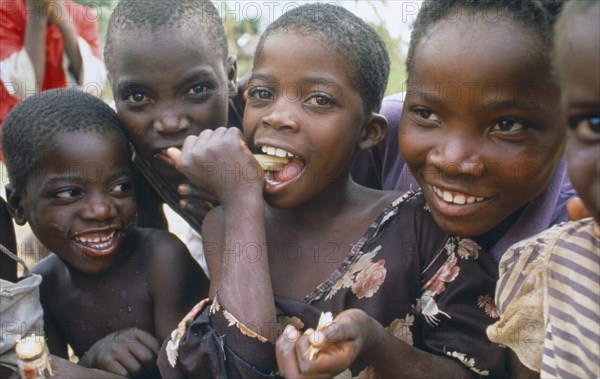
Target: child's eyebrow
point(425, 96)
point(69, 178)
point(583, 103)
point(200, 75)
point(311, 80)
point(115, 174)
point(262, 77)
point(512, 104)
point(126, 85)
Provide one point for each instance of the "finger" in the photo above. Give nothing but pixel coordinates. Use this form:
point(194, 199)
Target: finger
point(175, 154)
point(576, 209)
point(192, 192)
point(200, 210)
point(131, 365)
point(116, 367)
point(146, 358)
point(148, 340)
point(286, 353)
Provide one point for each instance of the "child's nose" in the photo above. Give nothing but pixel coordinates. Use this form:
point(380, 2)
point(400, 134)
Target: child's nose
point(171, 122)
point(281, 116)
point(457, 156)
point(99, 207)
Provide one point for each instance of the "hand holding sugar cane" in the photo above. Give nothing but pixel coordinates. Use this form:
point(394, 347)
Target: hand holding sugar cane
point(266, 162)
point(220, 163)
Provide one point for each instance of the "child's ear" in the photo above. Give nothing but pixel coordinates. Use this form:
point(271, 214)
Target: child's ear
point(232, 75)
point(14, 205)
point(373, 131)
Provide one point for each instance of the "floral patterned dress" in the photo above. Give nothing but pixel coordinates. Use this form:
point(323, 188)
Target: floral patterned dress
point(404, 272)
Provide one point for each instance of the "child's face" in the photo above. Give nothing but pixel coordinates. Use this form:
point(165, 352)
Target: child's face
point(480, 128)
point(302, 99)
point(578, 53)
point(79, 201)
point(167, 87)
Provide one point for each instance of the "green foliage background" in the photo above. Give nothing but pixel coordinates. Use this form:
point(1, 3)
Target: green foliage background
point(251, 32)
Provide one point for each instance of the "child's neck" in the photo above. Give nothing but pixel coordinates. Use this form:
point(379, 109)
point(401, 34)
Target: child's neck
point(489, 239)
point(335, 201)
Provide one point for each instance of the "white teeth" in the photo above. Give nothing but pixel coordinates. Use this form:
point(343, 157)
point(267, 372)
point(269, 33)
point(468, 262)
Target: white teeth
point(459, 199)
point(276, 151)
point(447, 196)
point(98, 243)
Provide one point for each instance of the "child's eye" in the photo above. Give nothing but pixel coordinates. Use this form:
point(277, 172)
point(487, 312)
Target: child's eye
point(588, 126)
point(260, 94)
point(320, 100)
point(426, 114)
point(137, 97)
point(197, 89)
point(66, 193)
point(122, 187)
point(509, 125)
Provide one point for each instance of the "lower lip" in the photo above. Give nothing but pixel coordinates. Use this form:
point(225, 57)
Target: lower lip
point(165, 159)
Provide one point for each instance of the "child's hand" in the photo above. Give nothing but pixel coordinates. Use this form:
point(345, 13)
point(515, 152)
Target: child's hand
point(196, 200)
point(338, 344)
point(131, 352)
point(219, 162)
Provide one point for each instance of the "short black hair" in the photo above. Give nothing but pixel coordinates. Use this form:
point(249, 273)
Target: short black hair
point(197, 18)
point(340, 30)
point(29, 128)
point(538, 16)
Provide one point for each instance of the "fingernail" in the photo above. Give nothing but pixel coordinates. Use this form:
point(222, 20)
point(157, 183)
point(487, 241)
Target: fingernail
point(291, 333)
point(316, 337)
point(183, 189)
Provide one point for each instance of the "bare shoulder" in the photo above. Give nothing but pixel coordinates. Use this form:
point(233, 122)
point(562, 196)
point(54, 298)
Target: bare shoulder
point(52, 270)
point(161, 249)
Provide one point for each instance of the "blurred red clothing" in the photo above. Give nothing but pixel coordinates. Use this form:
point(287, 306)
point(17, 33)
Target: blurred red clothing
point(13, 19)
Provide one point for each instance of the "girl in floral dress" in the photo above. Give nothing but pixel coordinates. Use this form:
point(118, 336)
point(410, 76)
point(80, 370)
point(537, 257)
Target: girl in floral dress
point(285, 246)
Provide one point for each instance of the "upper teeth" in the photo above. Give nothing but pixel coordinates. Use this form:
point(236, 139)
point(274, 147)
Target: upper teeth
point(275, 151)
point(95, 239)
point(457, 198)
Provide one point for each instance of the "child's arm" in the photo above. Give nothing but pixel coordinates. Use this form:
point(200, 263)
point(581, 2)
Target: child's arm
point(355, 334)
point(8, 266)
point(48, 288)
point(220, 162)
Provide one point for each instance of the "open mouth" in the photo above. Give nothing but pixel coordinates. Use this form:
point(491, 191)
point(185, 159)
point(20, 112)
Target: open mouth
point(282, 172)
point(98, 243)
point(164, 157)
point(457, 198)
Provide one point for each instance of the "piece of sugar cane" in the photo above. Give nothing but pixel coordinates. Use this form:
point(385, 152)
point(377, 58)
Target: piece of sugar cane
point(266, 162)
point(33, 358)
point(270, 162)
point(325, 319)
